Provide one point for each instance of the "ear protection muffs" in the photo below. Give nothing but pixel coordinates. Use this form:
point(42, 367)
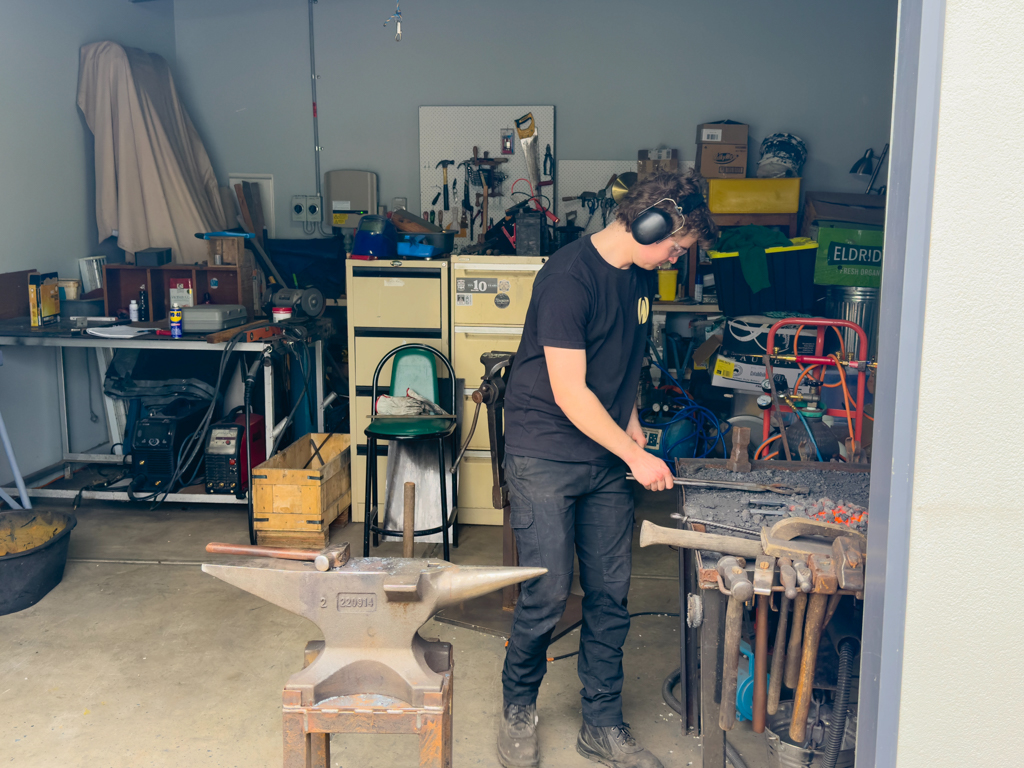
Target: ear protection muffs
point(654, 224)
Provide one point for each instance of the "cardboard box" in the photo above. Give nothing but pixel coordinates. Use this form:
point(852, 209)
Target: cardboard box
point(722, 161)
point(650, 161)
point(849, 257)
point(837, 207)
point(746, 373)
point(43, 299)
point(180, 292)
point(722, 132)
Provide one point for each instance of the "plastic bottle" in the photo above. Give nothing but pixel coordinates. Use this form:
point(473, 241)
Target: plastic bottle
point(175, 318)
point(143, 304)
point(698, 288)
point(133, 311)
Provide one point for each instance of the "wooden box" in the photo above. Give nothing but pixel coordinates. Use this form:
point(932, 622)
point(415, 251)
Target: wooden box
point(230, 249)
point(296, 498)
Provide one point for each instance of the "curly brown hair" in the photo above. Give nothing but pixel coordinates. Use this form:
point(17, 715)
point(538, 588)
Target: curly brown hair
point(674, 186)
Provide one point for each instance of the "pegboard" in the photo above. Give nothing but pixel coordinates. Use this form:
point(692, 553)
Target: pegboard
point(450, 133)
point(576, 176)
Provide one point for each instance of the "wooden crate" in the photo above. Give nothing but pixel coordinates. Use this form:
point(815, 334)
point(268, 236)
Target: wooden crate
point(295, 499)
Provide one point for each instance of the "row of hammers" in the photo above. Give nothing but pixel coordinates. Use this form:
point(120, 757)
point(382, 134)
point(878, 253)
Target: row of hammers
point(813, 578)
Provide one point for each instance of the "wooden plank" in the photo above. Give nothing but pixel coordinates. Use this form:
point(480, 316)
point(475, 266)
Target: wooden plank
point(256, 210)
point(240, 194)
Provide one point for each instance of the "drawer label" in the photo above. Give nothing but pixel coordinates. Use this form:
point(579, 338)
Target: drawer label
point(476, 285)
point(501, 301)
point(463, 299)
point(355, 602)
point(504, 286)
point(393, 282)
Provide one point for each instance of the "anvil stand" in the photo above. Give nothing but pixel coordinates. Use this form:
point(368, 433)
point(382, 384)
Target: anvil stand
point(308, 728)
point(492, 613)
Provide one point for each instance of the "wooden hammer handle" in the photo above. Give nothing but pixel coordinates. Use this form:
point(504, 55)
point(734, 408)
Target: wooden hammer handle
point(796, 641)
point(730, 664)
point(282, 553)
point(778, 659)
point(808, 661)
point(676, 537)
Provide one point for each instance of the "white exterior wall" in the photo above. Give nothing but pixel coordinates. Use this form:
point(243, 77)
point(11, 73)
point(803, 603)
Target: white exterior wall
point(963, 665)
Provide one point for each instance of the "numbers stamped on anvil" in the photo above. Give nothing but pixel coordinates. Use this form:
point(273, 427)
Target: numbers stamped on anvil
point(357, 602)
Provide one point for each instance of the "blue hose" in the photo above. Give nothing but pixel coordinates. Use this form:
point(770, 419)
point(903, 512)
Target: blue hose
point(809, 433)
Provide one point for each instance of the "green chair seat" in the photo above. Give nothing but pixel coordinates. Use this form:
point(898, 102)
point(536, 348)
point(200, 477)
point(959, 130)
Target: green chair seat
point(410, 429)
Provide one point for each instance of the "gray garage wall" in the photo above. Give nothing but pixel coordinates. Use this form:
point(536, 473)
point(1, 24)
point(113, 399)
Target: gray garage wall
point(47, 199)
point(622, 76)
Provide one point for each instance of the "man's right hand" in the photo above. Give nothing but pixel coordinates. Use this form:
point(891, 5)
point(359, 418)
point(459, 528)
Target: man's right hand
point(651, 472)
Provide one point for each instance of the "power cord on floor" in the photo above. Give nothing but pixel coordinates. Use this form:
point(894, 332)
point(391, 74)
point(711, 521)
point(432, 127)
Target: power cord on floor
point(677, 706)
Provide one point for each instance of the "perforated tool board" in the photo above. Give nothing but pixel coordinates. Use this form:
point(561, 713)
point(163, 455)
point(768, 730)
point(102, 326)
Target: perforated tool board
point(450, 133)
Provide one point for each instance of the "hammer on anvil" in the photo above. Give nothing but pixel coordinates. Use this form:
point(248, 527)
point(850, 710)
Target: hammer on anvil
point(369, 611)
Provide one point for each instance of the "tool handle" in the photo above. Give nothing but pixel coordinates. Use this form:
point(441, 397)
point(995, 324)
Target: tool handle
point(796, 636)
point(281, 553)
point(445, 189)
point(808, 661)
point(787, 575)
point(778, 659)
point(760, 695)
point(730, 663)
point(677, 537)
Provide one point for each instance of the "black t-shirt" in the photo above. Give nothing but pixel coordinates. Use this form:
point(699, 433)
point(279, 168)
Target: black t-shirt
point(580, 301)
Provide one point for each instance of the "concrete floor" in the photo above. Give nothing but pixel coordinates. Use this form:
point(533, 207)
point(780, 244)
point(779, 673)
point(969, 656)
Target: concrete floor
point(130, 665)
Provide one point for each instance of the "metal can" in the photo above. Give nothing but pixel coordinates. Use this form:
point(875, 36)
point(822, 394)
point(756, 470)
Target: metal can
point(175, 318)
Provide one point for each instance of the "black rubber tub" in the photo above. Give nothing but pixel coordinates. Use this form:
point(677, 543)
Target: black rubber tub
point(27, 576)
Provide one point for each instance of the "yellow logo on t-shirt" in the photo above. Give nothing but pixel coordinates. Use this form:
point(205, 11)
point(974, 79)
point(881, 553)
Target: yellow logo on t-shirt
point(643, 310)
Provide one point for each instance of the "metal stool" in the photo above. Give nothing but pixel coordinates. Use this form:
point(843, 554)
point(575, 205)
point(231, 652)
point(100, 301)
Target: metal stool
point(414, 368)
point(308, 729)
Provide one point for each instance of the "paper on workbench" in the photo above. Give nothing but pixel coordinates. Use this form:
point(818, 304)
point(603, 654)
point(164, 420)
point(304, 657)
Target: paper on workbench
point(118, 332)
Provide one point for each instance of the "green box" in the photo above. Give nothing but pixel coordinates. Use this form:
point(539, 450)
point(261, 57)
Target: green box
point(849, 257)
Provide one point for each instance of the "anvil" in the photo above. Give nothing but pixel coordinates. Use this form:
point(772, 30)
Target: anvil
point(369, 611)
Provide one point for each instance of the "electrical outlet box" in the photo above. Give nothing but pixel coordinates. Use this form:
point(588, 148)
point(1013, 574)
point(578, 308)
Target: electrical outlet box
point(313, 208)
point(299, 208)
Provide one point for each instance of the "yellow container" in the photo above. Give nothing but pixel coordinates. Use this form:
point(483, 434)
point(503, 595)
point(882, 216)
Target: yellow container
point(754, 195)
point(667, 279)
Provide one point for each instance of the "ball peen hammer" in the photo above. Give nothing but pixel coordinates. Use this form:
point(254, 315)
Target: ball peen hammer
point(324, 560)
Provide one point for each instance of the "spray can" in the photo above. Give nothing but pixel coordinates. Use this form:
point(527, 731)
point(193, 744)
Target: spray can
point(175, 318)
point(698, 288)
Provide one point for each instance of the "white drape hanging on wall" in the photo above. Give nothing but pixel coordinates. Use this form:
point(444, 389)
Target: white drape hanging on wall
point(155, 185)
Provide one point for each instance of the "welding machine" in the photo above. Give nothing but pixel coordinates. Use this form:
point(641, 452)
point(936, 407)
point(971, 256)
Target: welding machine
point(157, 443)
point(227, 468)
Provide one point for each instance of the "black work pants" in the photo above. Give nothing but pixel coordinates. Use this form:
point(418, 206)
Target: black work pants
point(559, 507)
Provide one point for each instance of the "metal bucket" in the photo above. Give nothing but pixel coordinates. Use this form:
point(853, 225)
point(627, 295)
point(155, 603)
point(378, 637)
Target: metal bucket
point(858, 305)
point(783, 753)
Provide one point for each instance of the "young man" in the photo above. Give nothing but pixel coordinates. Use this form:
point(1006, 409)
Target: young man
point(571, 432)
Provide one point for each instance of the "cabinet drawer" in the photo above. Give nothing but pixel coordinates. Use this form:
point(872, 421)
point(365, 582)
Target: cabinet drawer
point(395, 297)
point(489, 297)
point(475, 485)
point(369, 350)
point(469, 344)
point(481, 440)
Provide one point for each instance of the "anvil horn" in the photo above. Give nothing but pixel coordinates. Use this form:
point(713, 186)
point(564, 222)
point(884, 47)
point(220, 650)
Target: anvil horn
point(467, 582)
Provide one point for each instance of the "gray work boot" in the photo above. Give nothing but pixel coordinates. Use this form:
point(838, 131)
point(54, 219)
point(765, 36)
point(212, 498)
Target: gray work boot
point(517, 736)
point(614, 746)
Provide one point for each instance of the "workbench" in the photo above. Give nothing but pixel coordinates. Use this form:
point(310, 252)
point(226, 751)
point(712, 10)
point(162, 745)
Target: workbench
point(18, 332)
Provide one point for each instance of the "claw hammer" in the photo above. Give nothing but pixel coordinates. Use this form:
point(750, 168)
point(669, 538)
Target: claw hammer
point(443, 164)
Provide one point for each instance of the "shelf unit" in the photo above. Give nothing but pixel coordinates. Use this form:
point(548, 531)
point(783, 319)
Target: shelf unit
point(232, 284)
